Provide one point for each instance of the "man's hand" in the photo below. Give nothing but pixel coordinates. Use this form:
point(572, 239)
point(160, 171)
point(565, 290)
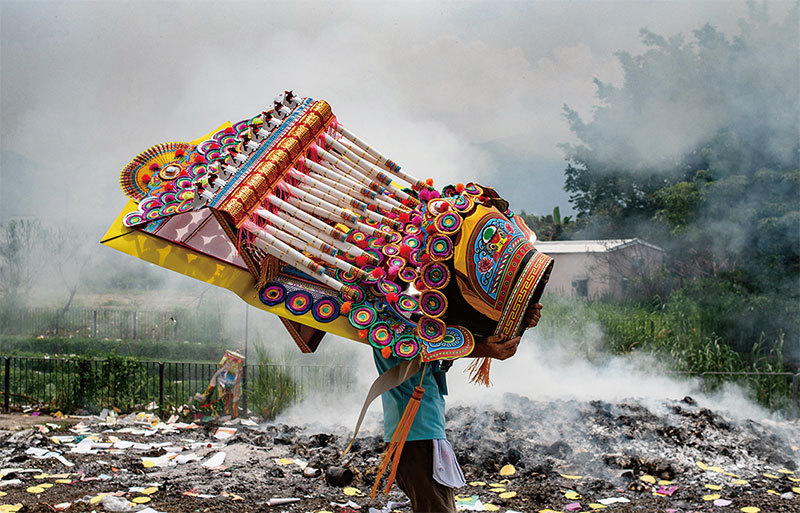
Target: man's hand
point(533, 315)
point(496, 347)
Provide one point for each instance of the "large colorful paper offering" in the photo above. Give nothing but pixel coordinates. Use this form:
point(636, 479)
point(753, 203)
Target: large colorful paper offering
point(303, 219)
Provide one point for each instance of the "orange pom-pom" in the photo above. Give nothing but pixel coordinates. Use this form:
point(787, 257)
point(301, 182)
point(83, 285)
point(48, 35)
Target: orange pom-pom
point(386, 352)
point(460, 188)
point(362, 333)
point(346, 307)
point(429, 181)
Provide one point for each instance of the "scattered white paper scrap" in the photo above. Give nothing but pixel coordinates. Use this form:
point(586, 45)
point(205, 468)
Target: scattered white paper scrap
point(215, 461)
point(348, 504)
point(613, 500)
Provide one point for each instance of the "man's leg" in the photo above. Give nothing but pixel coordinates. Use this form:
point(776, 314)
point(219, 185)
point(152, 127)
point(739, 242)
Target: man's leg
point(415, 478)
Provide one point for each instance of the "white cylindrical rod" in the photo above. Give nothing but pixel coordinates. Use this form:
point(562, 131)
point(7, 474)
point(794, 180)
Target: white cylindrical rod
point(313, 221)
point(352, 177)
point(367, 167)
point(301, 233)
point(319, 207)
point(359, 174)
point(342, 215)
point(297, 227)
point(380, 159)
point(330, 194)
point(315, 252)
point(360, 193)
point(291, 256)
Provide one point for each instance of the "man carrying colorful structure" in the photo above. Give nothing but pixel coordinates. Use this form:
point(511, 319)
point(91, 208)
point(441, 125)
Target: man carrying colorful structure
point(301, 218)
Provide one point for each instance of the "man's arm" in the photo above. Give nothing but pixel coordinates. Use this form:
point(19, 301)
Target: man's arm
point(501, 349)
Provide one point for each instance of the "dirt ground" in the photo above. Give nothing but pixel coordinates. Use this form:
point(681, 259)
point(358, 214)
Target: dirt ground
point(522, 456)
point(17, 421)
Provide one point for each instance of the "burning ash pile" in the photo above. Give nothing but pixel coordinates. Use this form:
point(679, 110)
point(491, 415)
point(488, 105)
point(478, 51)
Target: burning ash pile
point(519, 455)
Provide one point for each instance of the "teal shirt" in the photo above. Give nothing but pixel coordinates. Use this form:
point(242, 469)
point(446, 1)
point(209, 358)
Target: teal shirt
point(429, 421)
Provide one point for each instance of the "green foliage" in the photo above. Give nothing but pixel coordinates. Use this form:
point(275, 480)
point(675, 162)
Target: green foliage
point(551, 227)
point(271, 390)
point(172, 350)
point(677, 334)
point(697, 152)
point(678, 205)
point(81, 383)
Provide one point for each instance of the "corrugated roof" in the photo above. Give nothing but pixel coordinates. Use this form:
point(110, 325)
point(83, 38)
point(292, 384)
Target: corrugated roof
point(589, 246)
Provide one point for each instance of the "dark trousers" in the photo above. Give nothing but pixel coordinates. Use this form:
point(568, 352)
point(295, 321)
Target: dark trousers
point(415, 478)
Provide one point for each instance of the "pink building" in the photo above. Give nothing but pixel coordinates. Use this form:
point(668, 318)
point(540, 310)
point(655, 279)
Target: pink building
point(598, 268)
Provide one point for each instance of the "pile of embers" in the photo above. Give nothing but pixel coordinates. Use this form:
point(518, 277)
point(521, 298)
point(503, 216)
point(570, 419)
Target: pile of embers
point(522, 455)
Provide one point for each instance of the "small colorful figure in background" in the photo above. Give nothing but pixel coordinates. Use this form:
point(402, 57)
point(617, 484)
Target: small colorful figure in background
point(228, 382)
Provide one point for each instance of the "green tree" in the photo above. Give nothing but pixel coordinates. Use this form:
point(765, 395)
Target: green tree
point(698, 151)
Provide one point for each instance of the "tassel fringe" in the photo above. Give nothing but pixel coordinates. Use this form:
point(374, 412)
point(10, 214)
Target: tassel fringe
point(395, 447)
point(479, 371)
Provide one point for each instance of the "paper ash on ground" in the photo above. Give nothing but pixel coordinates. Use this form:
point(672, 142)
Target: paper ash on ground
point(520, 456)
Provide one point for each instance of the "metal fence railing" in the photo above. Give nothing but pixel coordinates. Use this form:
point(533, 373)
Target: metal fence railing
point(72, 384)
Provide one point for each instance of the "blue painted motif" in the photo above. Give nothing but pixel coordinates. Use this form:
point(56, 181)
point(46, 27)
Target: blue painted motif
point(493, 242)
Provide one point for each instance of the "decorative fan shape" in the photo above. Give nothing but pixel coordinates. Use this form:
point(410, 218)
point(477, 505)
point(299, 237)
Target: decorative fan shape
point(135, 176)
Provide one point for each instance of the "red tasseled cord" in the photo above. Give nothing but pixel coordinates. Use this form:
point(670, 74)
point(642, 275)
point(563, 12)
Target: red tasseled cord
point(395, 448)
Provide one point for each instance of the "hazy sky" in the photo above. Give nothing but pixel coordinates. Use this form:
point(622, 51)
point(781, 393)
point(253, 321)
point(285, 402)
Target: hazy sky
point(456, 91)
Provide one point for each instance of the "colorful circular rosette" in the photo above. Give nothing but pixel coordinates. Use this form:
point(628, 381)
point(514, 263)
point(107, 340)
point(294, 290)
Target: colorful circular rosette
point(299, 302)
point(463, 204)
point(391, 250)
point(433, 303)
point(272, 294)
point(358, 238)
point(386, 287)
point(363, 316)
point(440, 247)
point(346, 276)
point(380, 335)
point(473, 189)
point(411, 229)
point(398, 262)
point(357, 292)
point(448, 223)
point(412, 241)
point(325, 309)
point(435, 275)
point(407, 304)
point(407, 274)
point(431, 329)
point(406, 347)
